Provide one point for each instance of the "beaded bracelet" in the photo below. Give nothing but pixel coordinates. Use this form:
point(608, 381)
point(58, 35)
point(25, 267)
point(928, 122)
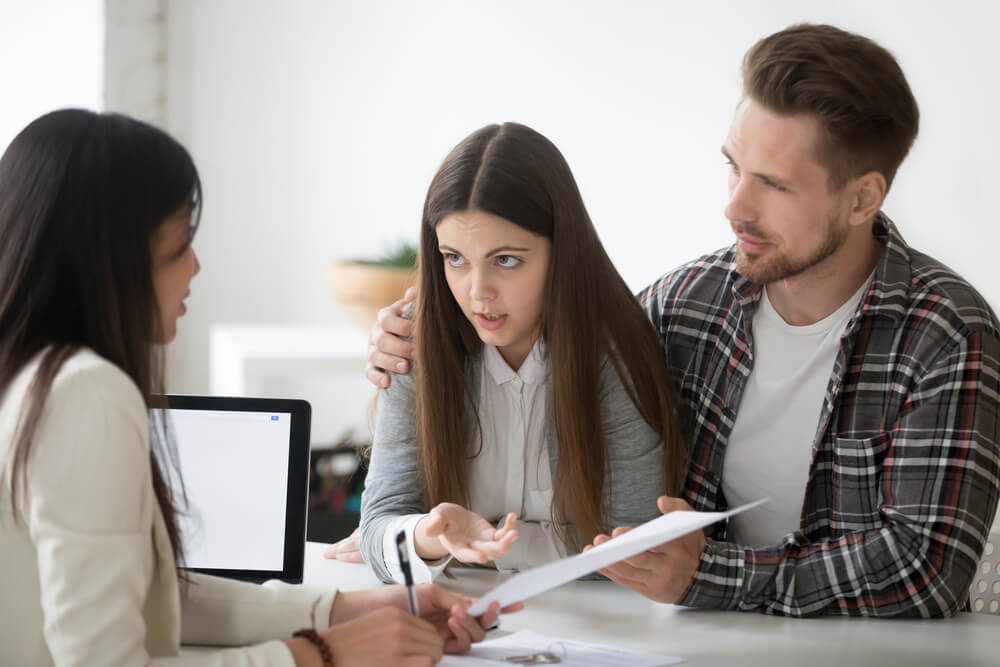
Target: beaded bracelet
point(317, 640)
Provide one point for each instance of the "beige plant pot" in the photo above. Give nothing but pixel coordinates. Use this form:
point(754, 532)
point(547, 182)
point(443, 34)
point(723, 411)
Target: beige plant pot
point(363, 289)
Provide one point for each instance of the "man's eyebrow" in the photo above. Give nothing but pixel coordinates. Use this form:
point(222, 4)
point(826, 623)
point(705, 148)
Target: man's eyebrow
point(769, 178)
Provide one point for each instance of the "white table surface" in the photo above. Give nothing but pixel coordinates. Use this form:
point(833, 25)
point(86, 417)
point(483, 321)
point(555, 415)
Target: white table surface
point(603, 612)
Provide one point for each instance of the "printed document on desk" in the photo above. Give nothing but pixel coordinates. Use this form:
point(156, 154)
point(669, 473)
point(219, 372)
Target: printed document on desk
point(570, 653)
point(545, 577)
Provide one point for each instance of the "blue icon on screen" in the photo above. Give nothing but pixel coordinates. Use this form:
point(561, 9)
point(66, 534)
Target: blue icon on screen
point(274, 418)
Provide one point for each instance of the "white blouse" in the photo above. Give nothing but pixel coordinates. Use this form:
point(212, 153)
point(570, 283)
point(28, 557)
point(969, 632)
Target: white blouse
point(510, 474)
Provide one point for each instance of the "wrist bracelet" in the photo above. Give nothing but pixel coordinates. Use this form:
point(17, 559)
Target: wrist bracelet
point(317, 640)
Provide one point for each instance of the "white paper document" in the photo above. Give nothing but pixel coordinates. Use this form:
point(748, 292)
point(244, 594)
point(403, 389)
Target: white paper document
point(570, 653)
point(540, 579)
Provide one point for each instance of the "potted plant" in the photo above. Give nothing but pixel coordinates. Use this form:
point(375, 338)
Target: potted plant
point(363, 286)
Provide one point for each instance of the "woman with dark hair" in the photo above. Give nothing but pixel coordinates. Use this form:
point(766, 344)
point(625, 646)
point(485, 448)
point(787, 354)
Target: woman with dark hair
point(97, 215)
point(539, 413)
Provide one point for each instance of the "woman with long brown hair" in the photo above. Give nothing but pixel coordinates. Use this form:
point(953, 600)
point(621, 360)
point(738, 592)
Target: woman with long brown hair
point(97, 216)
point(539, 412)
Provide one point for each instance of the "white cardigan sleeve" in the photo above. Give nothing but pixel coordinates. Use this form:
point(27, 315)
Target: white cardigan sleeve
point(90, 512)
point(224, 612)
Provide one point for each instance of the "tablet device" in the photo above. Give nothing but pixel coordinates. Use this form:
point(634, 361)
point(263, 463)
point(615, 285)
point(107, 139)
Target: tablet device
point(244, 463)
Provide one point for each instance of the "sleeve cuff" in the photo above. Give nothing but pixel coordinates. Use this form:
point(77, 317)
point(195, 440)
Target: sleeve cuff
point(322, 609)
point(423, 571)
point(718, 583)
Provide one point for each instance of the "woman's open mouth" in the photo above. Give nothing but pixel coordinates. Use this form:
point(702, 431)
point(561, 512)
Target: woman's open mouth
point(490, 320)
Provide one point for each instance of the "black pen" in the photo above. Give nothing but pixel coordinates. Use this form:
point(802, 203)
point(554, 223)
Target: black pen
point(404, 563)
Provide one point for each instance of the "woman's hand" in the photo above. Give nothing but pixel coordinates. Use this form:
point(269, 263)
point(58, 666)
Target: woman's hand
point(386, 636)
point(347, 549)
point(452, 529)
point(444, 610)
point(448, 612)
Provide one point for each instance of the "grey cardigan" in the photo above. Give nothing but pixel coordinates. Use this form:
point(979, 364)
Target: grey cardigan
point(393, 484)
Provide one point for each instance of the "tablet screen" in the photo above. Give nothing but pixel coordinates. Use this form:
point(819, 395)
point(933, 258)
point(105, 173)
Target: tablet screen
point(233, 465)
point(246, 480)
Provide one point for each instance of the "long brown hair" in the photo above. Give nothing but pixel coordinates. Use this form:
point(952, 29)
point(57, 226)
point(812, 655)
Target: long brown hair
point(590, 315)
point(81, 197)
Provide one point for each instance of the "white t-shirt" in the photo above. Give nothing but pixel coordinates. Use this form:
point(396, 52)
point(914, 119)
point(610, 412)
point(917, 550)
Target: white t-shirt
point(770, 448)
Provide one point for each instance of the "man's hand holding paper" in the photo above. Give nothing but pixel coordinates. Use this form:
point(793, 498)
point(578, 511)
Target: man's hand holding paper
point(664, 572)
point(675, 523)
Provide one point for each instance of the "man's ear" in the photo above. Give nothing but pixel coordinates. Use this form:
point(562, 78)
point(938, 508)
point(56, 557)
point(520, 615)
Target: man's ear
point(868, 195)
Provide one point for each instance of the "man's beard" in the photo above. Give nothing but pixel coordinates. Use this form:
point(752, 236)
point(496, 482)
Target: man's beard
point(762, 270)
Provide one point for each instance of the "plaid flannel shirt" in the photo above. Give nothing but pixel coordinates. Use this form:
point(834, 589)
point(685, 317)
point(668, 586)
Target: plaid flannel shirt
point(905, 473)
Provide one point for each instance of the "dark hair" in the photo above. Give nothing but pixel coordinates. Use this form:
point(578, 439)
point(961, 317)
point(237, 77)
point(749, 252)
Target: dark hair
point(590, 315)
point(856, 88)
point(81, 196)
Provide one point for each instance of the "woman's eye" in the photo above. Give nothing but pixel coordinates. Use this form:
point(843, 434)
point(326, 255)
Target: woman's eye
point(454, 259)
point(507, 261)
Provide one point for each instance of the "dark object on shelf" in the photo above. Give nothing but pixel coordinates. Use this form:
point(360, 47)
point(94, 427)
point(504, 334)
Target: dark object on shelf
point(336, 479)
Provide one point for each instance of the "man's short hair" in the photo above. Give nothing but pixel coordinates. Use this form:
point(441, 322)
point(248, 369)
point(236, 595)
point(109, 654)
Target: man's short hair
point(854, 86)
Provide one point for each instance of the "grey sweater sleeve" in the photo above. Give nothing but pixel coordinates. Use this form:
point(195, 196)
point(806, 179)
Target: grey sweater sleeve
point(393, 483)
point(635, 457)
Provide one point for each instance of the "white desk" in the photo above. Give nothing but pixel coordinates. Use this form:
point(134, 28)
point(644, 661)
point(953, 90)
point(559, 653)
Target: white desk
point(603, 612)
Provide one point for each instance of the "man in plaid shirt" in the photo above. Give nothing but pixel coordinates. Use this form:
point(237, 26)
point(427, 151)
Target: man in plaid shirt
point(824, 363)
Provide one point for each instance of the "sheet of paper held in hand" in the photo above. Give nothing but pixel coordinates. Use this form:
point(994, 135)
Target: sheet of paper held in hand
point(523, 645)
point(545, 577)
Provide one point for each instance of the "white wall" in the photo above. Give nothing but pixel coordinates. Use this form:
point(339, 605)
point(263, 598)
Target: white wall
point(317, 126)
point(51, 56)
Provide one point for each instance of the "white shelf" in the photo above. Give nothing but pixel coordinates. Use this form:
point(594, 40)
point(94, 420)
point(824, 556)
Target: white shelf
point(324, 364)
point(241, 350)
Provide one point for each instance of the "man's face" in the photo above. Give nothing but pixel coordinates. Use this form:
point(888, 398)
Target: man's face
point(787, 221)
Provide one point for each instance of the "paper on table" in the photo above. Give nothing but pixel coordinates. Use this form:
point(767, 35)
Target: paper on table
point(571, 653)
point(657, 531)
